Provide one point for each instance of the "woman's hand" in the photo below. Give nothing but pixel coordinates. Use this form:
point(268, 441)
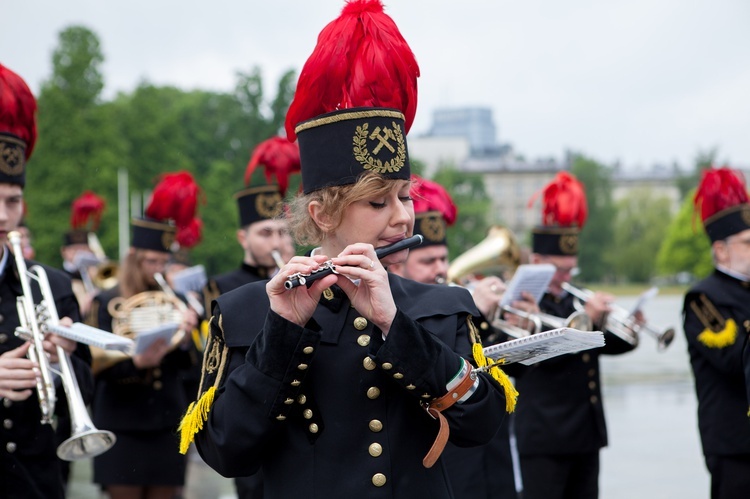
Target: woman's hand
point(17, 374)
point(487, 294)
point(372, 296)
point(52, 341)
point(298, 304)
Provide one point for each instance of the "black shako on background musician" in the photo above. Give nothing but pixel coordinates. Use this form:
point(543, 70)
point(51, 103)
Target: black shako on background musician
point(29, 466)
point(332, 398)
point(716, 317)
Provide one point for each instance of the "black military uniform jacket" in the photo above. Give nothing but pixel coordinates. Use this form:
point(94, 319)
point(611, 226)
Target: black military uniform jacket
point(716, 322)
point(228, 281)
point(332, 409)
point(560, 407)
point(132, 399)
point(29, 466)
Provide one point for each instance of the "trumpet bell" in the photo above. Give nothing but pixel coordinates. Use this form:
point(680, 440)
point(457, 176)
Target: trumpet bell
point(499, 251)
point(579, 320)
point(86, 444)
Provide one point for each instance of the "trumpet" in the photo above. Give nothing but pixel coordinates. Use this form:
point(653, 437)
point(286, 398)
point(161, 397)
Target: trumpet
point(622, 323)
point(577, 320)
point(35, 321)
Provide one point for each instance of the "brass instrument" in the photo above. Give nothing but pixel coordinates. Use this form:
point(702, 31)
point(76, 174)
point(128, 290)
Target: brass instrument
point(35, 321)
point(106, 275)
point(499, 251)
point(577, 320)
point(276, 255)
point(622, 323)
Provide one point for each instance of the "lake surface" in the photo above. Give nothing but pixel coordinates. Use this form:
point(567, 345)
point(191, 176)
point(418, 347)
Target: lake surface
point(654, 449)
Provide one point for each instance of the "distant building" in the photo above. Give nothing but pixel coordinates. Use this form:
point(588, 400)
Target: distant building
point(659, 179)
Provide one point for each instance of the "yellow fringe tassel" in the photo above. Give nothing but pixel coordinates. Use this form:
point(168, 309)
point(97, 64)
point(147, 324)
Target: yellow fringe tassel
point(723, 338)
point(196, 415)
point(511, 394)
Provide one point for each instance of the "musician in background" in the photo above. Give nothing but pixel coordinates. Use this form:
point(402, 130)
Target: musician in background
point(476, 472)
point(327, 400)
point(263, 230)
point(141, 398)
point(716, 317)
point(559, 421)
point(27, 242)
point(29, 466)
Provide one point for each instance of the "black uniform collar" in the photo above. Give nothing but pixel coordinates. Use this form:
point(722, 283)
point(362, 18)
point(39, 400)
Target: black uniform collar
point(723, 275)
point(256, 271)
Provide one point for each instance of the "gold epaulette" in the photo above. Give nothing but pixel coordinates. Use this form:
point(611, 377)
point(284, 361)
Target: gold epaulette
point(719, 332)
point(215, 361)
point(493, 368)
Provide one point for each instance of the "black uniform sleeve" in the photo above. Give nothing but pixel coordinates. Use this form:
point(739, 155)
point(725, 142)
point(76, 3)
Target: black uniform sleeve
point(711, 331)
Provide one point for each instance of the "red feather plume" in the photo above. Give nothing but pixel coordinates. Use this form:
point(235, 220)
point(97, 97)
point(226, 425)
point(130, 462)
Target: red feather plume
point(86, 211)
point(563, 202)
point(280, 159)
point(360, 60)
point(17, 108)
point(176, 198)
point(431, 196)
point(719, 189)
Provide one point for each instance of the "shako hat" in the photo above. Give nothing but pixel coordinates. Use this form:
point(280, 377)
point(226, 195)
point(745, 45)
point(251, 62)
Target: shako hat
point(434, 211)
point(564, 213)
point(355, 100)
point(85, 216)
point(722, 200)
point(170, 221)
point(17, 127)
point(279, 158)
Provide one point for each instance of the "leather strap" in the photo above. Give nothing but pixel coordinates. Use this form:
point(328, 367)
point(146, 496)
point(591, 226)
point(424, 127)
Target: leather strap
point(437, 406)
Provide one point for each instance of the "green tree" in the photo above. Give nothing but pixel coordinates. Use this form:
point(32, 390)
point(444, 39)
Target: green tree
point(641, 221)
point(704, 159)
point(469, 195)
point(686, 247)
point(596, 239)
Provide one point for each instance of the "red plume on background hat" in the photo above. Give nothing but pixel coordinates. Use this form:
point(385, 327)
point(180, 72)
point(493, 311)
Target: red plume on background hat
point(85, 215)
point(170, 215)
point(564, 213)
point(358, 86)
point(280, 159)
point(17, 126)
point(722, 200)
point(434, 210)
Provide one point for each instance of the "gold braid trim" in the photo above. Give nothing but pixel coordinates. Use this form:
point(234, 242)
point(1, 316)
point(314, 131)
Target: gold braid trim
point(493, 368)
point(718, 332)
point(356, 115)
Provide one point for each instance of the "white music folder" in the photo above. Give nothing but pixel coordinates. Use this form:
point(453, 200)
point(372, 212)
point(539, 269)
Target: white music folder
point(546, 345)
point(529, 278)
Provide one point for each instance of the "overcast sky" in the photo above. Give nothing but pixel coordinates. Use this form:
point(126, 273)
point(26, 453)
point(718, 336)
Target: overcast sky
point(635, 81)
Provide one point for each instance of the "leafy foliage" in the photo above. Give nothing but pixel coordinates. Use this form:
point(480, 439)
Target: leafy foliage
point(686, 247)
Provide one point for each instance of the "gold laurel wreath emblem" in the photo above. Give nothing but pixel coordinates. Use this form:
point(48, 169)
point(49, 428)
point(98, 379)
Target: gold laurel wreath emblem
point(569, 244)
point(746, 215)
point(432, 229)
point(12, 156)
point(368, 162)
point(268, 205)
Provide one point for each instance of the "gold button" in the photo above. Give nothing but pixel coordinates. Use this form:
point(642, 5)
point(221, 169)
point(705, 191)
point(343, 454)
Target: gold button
point(378, 479)
point(592, 384)
point(302, 367)
point(11, 447)
point(301, 399)
point(592, 373)
point(410, 387)
point(158, 385)
point(387, 365)
point(7, 424)
point(594, 399)
point(375, 449)
point(313, 428)
point(586, 357)
point(360, 323)
point(281, 417)
point(747, 325)
point(3, 337)
point(157, 372)
point(373, 392)
point(375, 425)
point(328, 294)
point(426, 395)
point(7, 403)
point(308, 350)
point(289, 401)
point(398, 376)
point(368, 363)
point(307, 413)
point(295, 382)
point(363, 340)
point(484, 326)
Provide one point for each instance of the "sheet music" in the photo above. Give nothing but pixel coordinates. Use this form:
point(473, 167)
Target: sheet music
point(147, 337)
point(531, 278)
point(92, 336)
point(542, 346)
point(645, 297)
point(190, 279)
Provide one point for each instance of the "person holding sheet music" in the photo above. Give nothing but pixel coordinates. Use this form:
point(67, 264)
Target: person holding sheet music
point(487, 471)
point(29, 466)
point(559, 421)
point(141, 398)
point(347, 384)
point(716, 317)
